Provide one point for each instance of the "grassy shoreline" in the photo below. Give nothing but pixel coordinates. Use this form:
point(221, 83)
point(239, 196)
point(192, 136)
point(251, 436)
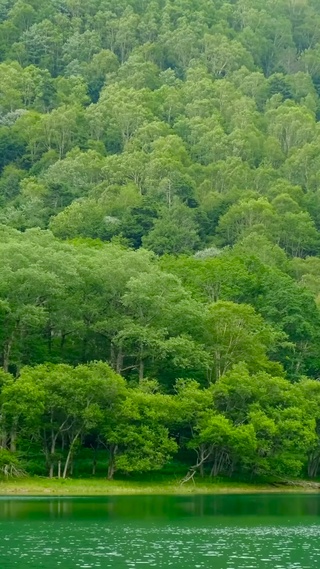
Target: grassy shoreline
point(101, 487)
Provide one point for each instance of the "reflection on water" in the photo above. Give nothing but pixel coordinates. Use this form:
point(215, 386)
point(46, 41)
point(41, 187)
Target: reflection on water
point(222, 532)
point(160, 507)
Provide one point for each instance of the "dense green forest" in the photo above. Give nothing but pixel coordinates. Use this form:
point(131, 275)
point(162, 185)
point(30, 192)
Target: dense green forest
point(160, 237)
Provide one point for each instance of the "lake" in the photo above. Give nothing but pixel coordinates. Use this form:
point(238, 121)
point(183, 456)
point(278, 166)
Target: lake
point(189, 532)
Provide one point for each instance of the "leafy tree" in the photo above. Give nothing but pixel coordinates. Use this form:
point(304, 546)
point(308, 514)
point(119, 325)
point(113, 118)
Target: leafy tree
point(159, 213)
point(74, 402)
point(175, 231)
point(235, 333)
point(140, 440)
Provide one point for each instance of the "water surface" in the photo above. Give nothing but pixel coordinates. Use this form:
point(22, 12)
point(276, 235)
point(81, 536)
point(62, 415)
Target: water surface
point(219, 532)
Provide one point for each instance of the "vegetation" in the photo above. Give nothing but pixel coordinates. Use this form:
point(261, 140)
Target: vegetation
point(167, 486)
point(160, 237)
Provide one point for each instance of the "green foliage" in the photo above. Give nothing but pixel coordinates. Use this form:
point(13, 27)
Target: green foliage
point(159, 211)
point(10, 465)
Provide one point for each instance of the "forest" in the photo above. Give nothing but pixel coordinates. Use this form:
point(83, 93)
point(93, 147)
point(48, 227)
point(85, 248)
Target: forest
point(160, 238)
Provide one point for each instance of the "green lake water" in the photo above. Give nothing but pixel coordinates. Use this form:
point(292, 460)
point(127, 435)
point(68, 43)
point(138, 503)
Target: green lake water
point(189, 532)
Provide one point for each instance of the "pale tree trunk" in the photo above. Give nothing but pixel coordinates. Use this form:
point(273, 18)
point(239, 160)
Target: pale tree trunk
point(112, 461)
point(66, 466)
point(69, 455)
point(113, 358)
point(51, 469)
point(217, 365)
point(7, 353)
point(203, 453)
point(141, 369)
point(52, 453)
point(217, 464)
point(313, 465)
point(13, 437)
point(119, 364)
point(3, 439)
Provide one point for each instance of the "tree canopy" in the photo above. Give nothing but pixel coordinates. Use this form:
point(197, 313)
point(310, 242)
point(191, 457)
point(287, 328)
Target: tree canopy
point(160, 236)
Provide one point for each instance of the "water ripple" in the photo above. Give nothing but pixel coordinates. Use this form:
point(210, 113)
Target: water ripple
point(77, 545)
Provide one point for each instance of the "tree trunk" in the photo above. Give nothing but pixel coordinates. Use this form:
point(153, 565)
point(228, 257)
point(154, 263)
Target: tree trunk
point(203, 454)
point(52, 452)
point(62, 342)
point(49, 339)
point(59, 469)
point(3, 439)
point(113, 359)
point(13, 437)
point(112, 461)
point(217, 365)
point(7, 353)
point(119, 364)
point(218, 463)
point(141, 370)
point(94, 462)
point(66, 466)
point(69, 455)
point(313, 465)
point(84, 347)
point(51, 469)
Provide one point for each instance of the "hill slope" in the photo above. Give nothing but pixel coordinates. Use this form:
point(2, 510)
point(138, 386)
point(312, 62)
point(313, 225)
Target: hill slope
point(159, 211)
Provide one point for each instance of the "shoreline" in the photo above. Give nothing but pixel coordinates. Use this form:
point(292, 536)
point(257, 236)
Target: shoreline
point(100, 487)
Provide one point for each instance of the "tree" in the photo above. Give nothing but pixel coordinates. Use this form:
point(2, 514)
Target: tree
point(223, 56)
point(236, 333)
point(61, 129)
point(244, 217)
point(118, 115)
point(74, 402)
point(159, 212)
point(292, 309)
point(86, 218)
point(292, 125)
point(221, 445)
point(160, 324)
point(284, 433)
point(222, 276)
point(174, 232)
point(139, 441)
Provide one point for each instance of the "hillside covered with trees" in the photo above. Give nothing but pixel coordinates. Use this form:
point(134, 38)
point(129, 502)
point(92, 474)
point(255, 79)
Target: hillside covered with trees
point(160, 237)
